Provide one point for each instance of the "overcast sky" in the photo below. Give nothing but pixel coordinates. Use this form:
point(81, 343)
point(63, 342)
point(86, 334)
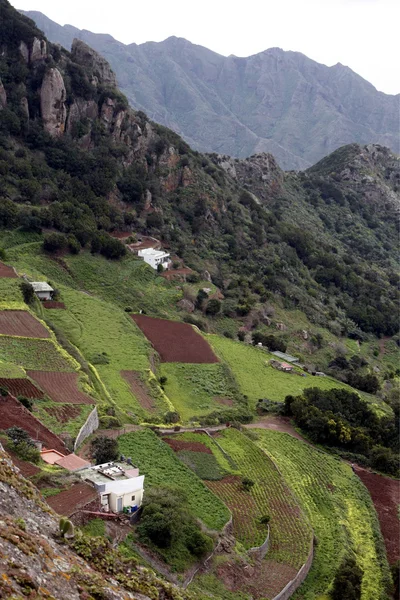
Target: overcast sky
point(362, 34)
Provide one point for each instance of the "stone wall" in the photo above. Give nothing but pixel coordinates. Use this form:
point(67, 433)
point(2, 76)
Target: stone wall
point(260, 551)
point(292, 586)
point(91, 424)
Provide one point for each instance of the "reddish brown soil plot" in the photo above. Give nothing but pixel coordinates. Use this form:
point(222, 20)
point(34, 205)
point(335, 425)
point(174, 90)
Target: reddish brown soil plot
point(64, 413)
point(21, 387)
point(13, 414)
point(385, 494)
point(21, 323)
point(27, 469)
point(139, 390)
point(175, 342)
point(71, 500)
point(224, 401)
point(53, 304)
point(178, 445)
point(6, 271)
point(61, 387)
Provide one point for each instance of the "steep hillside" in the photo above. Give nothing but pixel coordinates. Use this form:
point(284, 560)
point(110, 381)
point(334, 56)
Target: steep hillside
point(38, 562)
point(275, 101)
point(76, 159)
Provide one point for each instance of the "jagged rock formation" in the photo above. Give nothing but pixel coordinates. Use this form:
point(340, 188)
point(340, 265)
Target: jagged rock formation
point(100, 68)
point(275, 102)
point(52, 102)
point(35, 561)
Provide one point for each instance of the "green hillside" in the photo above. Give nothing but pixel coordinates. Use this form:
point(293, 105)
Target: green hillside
point(340, 511)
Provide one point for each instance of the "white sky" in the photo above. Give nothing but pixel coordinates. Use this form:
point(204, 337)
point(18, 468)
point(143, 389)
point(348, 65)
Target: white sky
point(362, 34)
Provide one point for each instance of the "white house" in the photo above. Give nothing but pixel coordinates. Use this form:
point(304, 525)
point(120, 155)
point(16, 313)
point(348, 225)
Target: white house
point(155, 257)
point(119, 485)
point(43, 290)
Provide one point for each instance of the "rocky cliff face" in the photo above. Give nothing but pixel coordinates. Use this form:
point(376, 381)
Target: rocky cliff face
point(273, 102)
point(52, 102)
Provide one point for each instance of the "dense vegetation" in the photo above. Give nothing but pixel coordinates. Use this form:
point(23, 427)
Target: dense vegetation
point(341, 418)
point(314, 243)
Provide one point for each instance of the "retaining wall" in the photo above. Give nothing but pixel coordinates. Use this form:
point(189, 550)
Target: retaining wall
point(90, 425)
point(261, 551)
point(292, 586)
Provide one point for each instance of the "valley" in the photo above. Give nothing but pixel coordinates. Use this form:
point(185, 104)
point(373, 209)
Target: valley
point(211, 421)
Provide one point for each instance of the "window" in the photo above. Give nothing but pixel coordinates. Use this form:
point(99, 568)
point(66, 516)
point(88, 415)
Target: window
point(133, 498)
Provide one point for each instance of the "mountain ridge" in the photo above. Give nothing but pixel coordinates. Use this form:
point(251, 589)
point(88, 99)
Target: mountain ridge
point(274, 101)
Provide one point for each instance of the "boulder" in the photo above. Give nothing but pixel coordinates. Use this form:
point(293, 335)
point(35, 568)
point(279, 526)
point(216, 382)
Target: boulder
point(52, 103)
point(186, 305)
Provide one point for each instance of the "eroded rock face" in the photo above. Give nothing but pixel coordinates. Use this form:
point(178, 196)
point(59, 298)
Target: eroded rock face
point(38, 50)
point(52, 103)
point(23, 48)
point(3, 96)
point(81, 109)
point(87, 57)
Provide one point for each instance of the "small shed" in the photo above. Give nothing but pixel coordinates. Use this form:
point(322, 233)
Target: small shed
point(43, 290)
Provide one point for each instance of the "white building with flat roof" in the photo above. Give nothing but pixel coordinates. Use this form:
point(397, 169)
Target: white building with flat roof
point(155, 257)
point(43, 290)
point(119, 485)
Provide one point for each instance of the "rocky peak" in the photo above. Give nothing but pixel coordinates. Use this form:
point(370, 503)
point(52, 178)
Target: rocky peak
point(94, 63)
point(35, 53)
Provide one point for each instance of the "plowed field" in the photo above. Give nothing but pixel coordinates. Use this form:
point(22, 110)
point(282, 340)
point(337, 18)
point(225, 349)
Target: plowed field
point(175, 342)
point(53, 304)
point(14, 414)
point(61, 387)
point(385, 494)
point(139, 389)
point(21, 387)
point(178, 445)
point(63, 413)
point(71, 500)
point(6, 271)
point(21, 323)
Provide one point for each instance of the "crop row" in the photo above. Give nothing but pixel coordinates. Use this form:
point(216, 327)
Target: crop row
point(340, 511)
point(290, 532)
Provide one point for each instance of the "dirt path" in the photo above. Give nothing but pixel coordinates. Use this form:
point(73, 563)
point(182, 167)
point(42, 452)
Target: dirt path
point(276, 423)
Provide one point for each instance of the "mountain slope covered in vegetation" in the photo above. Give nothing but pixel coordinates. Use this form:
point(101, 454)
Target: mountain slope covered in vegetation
point(275, 101)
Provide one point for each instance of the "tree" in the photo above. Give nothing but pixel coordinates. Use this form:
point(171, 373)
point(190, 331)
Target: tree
point(160, 268)
point(247, 484)
point(104, 450)
point(54, 241)
point(347, 583)
point(213, 307)
point(27, 292)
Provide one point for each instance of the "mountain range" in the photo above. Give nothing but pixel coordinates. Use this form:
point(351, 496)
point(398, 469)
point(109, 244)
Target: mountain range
point(275, 101)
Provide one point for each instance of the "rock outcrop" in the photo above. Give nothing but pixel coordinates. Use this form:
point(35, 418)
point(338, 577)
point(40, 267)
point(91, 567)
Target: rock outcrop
point(3, 96)
point(99, 67)
point(38, 50)
point(52, 103)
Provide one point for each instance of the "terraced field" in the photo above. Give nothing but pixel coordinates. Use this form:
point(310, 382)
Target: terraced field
point(61, 387)
point(161, 467)
point(196, 389)
point(21, 387)
point(340, 511)
point(35, 354)
point(21, 323)
point(175, 342)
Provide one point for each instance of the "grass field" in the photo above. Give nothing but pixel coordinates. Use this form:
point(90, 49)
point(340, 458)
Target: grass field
point(257, 379)
point(161, 467)
point(107, 338)
point(193, 388)
point(10, 370)
point(35, 354)
point(55, 423)
point(340, 511)
point(129, 283)
point(10, 294)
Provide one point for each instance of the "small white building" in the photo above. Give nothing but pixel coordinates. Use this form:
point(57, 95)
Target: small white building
point(155, 257)
point(119, 485)
point(43, 290)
